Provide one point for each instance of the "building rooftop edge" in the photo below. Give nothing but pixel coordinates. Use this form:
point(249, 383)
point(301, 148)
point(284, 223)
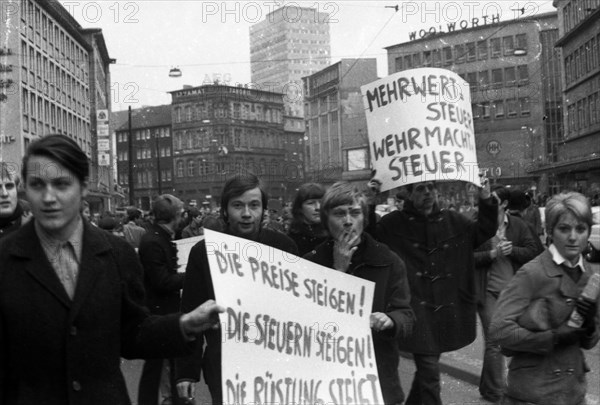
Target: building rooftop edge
point(480, 27)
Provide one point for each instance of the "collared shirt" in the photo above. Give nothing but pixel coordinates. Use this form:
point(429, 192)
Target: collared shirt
point(560, 260)
point(64, 256)
point(501, 232)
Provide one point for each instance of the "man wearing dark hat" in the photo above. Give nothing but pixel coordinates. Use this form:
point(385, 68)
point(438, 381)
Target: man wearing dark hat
point(163, 284)
point(132, 231)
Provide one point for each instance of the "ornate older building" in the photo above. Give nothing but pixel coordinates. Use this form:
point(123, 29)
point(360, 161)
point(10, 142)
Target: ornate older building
point(222, 130)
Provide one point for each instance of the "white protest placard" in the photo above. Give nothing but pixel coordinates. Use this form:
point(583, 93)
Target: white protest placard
point(420, 128)
point(184, 246)
point(294, 332)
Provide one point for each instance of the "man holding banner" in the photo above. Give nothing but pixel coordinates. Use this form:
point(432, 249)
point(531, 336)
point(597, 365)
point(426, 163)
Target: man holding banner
point(351, 251)
point(421, 131)
point(243, 202)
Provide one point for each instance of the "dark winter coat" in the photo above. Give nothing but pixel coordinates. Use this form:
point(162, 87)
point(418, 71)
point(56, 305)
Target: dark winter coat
point(375, 262)
point(58, 351)
point(307, 237)
point(163, 283)
point(438, 253)
point(198, 288)
point(540, 372)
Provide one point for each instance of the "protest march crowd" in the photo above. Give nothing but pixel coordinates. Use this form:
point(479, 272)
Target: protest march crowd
point(79, 292)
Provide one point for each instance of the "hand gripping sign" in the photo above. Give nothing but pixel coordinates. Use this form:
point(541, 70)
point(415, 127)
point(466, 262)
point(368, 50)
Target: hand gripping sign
point(420, 128)
point(294, 332)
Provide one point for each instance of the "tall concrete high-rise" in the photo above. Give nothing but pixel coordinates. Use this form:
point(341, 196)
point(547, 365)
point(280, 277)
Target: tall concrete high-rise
point(290, 43)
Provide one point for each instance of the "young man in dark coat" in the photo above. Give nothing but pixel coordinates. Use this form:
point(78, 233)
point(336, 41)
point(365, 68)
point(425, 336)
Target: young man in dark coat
point(351, 251)
point(437, 247)
point(243, 202)
point(163, 284)
point(71, 295)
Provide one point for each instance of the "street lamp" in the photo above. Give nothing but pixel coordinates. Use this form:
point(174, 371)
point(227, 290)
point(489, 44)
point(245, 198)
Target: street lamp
point(175, 72)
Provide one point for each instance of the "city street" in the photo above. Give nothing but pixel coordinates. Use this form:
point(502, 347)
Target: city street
point(454, 390)
point(459, 379)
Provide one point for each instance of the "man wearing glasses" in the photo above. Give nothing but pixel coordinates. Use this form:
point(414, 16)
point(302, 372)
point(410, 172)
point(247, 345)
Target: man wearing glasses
point(437, 247)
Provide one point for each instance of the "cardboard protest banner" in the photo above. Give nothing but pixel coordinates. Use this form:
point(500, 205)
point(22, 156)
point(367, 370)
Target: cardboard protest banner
point(184, 246)
point(420, 128)
point(294, 332)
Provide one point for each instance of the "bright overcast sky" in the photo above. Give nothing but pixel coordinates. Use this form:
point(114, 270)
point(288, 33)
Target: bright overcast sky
point(210, 39)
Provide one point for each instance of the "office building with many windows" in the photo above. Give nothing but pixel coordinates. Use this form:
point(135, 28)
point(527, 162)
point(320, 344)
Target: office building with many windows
point(513, 73)
point(336, 126)
point(578, 154)
point(290, 43)
point(45, 77)
point(53, 75)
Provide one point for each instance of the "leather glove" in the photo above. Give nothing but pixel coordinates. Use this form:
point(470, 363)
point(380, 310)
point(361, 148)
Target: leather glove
point(587, 309)
point(565, 335)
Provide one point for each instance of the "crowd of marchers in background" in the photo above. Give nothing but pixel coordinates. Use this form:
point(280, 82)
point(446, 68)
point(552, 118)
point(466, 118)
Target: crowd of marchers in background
point(101, 287)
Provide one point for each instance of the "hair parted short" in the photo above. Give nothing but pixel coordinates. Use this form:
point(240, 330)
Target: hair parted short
point(343, 193)
point(62, 150)
point(236, 186)
point(573, 202)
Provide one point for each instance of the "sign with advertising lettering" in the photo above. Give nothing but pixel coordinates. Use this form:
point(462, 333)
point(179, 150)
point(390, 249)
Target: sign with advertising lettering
point(420, 127)
point(102, 130)
point(103, 145)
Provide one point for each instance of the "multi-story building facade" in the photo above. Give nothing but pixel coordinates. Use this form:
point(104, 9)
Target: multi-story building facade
point(336, 127)
point(49, 69)
point(513, 73)
point(578, 154)
point(102, 192)
point(222, 130)
point(45, 76)
point(290, 43)
point(151, 159)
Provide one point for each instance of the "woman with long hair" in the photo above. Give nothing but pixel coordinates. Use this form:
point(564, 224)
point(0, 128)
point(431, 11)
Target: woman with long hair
point(306, 228)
